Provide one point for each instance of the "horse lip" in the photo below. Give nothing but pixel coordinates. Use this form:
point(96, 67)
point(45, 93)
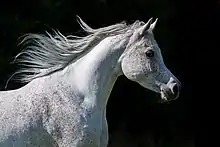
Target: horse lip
point(166, 91)
point(165, 94)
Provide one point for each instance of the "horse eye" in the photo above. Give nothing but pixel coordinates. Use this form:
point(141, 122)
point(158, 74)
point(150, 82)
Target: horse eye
point(149, 53)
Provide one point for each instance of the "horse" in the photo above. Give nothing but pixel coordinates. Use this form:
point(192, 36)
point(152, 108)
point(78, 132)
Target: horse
point(69, 80)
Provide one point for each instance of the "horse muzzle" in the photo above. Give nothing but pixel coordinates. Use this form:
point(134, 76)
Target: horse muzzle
point(171, 90)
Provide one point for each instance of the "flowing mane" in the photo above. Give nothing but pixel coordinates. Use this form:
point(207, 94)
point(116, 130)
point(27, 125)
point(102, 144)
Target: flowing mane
point(43, 54)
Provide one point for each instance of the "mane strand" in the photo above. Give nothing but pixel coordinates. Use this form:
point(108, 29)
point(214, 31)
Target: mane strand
point(43, 54)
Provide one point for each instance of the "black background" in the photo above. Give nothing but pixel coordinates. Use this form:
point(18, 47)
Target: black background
point(187, 33)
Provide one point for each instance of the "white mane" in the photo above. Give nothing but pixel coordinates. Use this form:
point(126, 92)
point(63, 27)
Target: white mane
point(44, 54)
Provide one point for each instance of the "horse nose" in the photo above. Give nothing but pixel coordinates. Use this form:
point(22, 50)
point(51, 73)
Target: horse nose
point(176, 90)
point(175, 86)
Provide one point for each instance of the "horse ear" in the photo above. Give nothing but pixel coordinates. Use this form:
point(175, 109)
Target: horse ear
point(145, 27)
point(152, 26)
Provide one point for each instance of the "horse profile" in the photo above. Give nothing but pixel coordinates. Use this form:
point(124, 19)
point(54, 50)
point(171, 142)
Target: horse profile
point(69, 80)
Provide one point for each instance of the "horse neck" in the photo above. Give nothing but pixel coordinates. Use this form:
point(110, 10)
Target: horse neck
point(95, 74)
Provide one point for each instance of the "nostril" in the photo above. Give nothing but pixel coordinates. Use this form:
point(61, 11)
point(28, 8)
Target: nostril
point(175, 89)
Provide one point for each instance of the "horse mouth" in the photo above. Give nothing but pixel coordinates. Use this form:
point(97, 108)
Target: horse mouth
point(166, 94)
point(169, 91)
